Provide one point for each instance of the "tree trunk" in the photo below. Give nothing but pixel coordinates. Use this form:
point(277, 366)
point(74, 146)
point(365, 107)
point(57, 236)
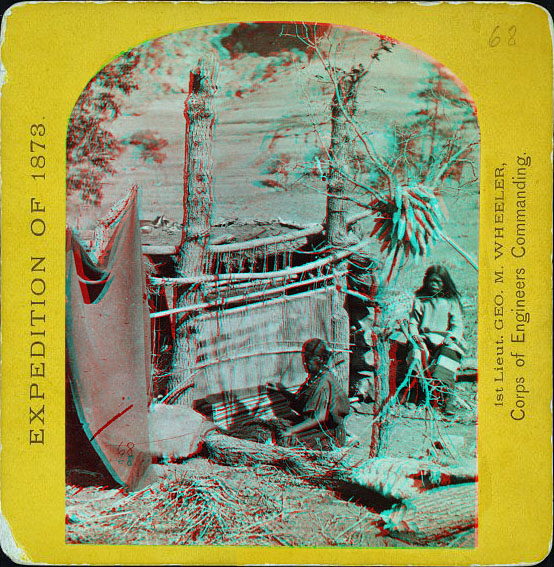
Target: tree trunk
point(197, 207)
point(382, 395)
point(343, 107)
point(434, 514)
point(391, 477)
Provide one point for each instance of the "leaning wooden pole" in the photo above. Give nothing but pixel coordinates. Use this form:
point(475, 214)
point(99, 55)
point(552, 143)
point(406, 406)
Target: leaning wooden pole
point(197, 206)
point(343, 107)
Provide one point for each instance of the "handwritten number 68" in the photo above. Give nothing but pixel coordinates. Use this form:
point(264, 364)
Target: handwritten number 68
point(496, 36)
point(126, 453)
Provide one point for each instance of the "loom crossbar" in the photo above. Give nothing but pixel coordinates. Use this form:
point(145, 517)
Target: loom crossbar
point(244, 297)
point(336, 257)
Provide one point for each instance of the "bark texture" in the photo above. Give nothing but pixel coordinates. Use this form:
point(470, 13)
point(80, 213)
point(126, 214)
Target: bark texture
point(343, 107)
point(390, 477)
point(197, 206)
point(434, 514)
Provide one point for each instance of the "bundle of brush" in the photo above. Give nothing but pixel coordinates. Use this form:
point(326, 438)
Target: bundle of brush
point(268, 432)
point(182, 508)
point(407, 224)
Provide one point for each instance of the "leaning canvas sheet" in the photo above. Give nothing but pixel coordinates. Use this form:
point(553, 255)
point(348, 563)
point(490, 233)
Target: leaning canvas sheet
point(108, 314)
point(299, 303)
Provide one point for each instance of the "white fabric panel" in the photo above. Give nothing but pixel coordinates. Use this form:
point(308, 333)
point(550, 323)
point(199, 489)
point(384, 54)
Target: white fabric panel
point(246, 347)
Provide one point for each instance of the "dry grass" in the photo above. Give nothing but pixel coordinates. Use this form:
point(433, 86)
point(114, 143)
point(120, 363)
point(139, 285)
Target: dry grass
point(213, 505)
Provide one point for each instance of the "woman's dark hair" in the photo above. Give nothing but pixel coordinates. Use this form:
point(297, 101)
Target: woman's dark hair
point(449, 289)
point(316, 348)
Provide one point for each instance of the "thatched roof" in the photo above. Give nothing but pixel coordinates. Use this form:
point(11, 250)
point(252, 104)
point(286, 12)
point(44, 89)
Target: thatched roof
point(163, 236)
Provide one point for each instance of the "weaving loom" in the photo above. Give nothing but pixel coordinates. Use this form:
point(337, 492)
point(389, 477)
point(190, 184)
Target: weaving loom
point(259, 305)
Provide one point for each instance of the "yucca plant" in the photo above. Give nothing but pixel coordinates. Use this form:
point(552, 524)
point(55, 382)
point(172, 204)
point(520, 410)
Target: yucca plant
point(402, 183)
point(406, 224)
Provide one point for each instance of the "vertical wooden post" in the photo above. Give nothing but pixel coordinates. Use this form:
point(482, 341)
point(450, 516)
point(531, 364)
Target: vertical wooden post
point(382, 396)
point(343, 106)
point(197, 205)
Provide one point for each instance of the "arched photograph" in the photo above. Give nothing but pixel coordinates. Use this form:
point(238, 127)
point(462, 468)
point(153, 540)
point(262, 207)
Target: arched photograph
point(272, 293)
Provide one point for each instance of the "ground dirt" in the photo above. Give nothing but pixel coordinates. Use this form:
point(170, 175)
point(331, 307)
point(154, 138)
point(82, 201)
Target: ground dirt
point(263, 504)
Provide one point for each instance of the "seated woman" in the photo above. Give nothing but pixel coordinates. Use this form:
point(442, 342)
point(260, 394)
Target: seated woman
point(435, 332)
point(320, 404)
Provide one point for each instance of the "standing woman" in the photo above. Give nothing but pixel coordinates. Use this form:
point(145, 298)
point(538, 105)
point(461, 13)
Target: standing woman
point(436, 332)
